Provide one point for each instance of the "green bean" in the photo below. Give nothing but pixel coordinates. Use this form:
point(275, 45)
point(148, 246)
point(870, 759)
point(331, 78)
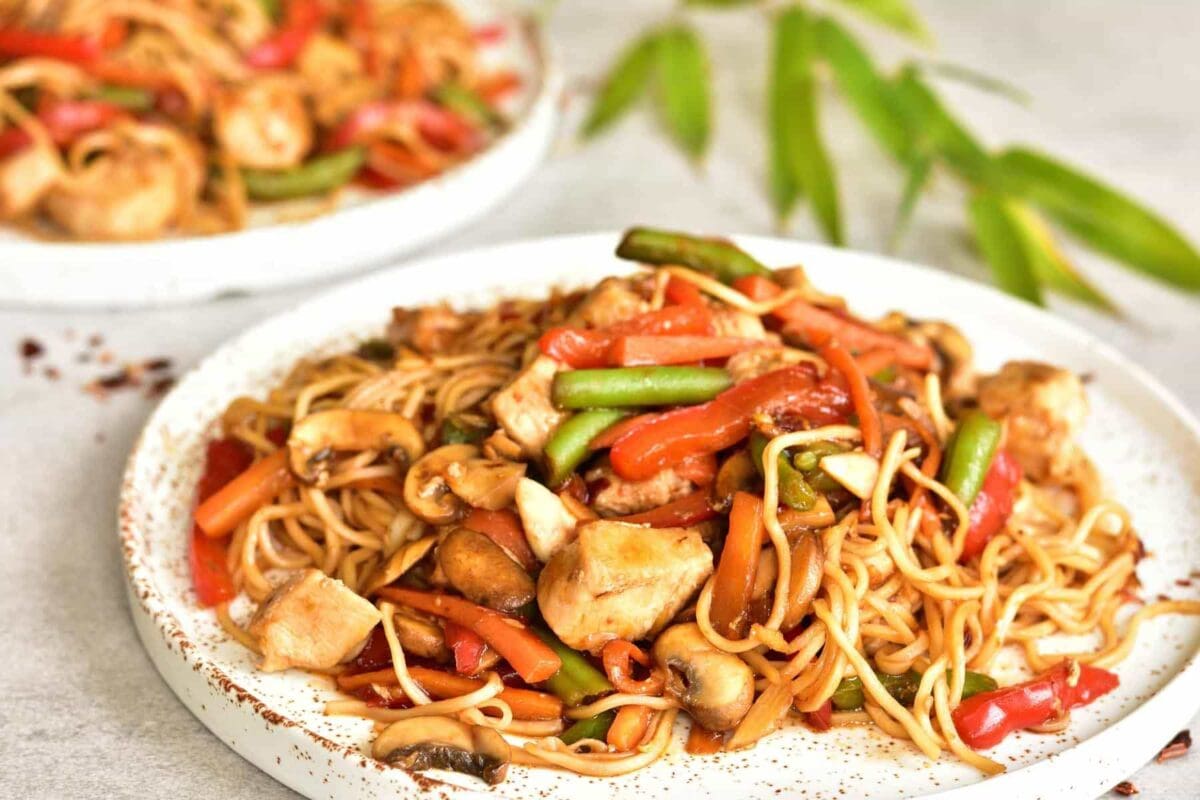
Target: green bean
point(850, 696)
point(568, 446)
point(468, 104)
point(638, 386)
point(318, 176)
point(970, 455)
point(128, 97)
point(576, 680)
point(722, 258)
point(455, 431)
point(590, 728)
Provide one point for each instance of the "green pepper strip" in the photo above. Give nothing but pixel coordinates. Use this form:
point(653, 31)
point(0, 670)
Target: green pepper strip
point(468, 104)
point(455, 432)
point(568, 447)
point(723, 259)
point(128, 97)
point(638, 386)
point(590, 728)
point(576, 680)
point(320, 175)
point(849, 695)
point(271, 8)
point(795, 491)
point(970, 456)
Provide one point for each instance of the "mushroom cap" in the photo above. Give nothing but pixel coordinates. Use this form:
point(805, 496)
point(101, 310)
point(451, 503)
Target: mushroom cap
point(433, 742)
point(426, 492)
point(480, 569)
point(316, 437)
point(715, 687)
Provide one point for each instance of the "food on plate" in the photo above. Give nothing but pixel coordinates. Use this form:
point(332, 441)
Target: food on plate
point(136, 119)
point(541, 532)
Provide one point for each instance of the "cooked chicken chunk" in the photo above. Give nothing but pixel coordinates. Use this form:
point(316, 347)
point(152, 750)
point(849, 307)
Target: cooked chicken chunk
point(620, 581)
point(613, 300)
point(761, 360)
point(25, 177)
point(524, 409)
point(1044, 408)
point(126, 195)
point(548, 524)
point(614, 496)
point(336, 76)
point(741, 324)
point(312, 622)
point(263, 124)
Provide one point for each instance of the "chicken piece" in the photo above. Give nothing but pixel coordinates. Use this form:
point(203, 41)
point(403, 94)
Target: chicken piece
point(25, 178)
point(740, 324)
point(548, 523)
point(524, 408)
point(336, 76)
point(126, 195)
point(1044, 408)
point(750, 364)
point(613, 496)
point(312, 622)
point(263, 124)
point(620, 581)
point(611, 301)
point(429, 329)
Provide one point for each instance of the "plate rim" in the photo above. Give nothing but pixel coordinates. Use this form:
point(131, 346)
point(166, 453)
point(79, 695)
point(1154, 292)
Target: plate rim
point(1175, 702)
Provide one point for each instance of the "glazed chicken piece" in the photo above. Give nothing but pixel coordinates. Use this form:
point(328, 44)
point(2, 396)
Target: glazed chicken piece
point(335, 73)
point(613, 300)
point(263, 124)
point(1044, 408)
point(621, 581)
point(613, 496)
point(129, 194)
point(312, 622)
point(524, 408)
point(25, 177)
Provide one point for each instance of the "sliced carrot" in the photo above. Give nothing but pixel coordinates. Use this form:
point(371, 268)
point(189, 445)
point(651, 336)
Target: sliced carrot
point(495, 87)
point(636, 351)
point(860, 394)
point(875, 360)
point(703, 742)
point(245, 494)
point(525, 703)
point(504, 528)
point(533, 660)
point(629, 727)
point(734, 580)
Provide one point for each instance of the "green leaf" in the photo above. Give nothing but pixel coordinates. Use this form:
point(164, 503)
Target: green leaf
point(999, 239)
point(1102, 217)
point(865, 89)
point(899, 15)
point(720, 3)
point(783, 114)
point(624, 84)
point(918, 176)
point(683, 82)
point(938, 133)
point(1050, 264)
point(977, 80)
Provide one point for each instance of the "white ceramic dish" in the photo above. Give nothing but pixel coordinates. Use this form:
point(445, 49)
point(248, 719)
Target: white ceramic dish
point(365, 231)
point(1136, 432)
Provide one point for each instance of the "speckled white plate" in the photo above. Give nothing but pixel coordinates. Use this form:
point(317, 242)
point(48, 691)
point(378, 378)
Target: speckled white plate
point(366, 230)
point(1142, 439)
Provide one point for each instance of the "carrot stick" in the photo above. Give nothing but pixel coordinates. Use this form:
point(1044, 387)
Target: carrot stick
point(734, 580)
point(703, 742)
point(629, 727)
point(634, 351)
point(875, 360)
point(860, 394)
point(532, 658)
point(245, 494)
point(525, 703)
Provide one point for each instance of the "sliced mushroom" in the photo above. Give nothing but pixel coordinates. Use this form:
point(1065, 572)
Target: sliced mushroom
point(808, 565)
point(481, 570)
point(489, 483)
point(426, 491)
point(715, 687)
point(405, 558)
point(419, 636)
point(737, 474)
point(318, 436)
point(420, 743)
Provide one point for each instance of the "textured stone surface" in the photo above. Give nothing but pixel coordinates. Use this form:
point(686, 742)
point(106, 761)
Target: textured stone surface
point(1114, 83)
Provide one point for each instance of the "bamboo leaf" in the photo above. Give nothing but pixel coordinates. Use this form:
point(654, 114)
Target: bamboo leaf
point(783, 114)
point(683, 82)
point(1102, 217)
point(999, 240)
point(720, 3)
point(899, 15)
point(939, 133)
point(864, 88)
point(624, 84)
point(978, 80)
point(918, 177)
point(1050, 264)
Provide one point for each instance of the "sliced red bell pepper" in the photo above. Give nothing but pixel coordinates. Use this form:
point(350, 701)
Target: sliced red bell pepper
point(610, 435)
point(504, 528)
point(240, 498)
point(636, 351)
point(24, 43)
point(808, 320)
point(668, 438)
point(282, 48)
point(680, 513)
point(466, 645)
point(683, 293)
point(583, 348)
point(576, 347)
point(440, 127)
point(224, 460)
point(993, 504)
point(490, 33)
point(983, 720)
point(65, 121)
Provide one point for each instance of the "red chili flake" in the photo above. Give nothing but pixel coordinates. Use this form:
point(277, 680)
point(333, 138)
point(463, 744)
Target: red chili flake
point(52, 373)
point(160, 387)
point(1163, 597)
point(105, 357)
point(156, 364)
point(95, 340)
point(99, 437)
point(1183, 582)
point(115, 380)
point(1125, 789)
point(1176, 747)
point(31, 349)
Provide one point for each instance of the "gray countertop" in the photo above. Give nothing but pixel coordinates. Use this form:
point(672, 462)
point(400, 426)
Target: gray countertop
point(1115, 86)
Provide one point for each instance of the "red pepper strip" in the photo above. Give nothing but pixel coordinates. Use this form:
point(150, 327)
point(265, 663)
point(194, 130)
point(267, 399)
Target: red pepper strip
point(504, 528)
point(22, 43)
point(733, 580)
point(65, 121)
point(609, 436)
point(440, 127)
point(582, 348)
point(224, 460)
point(683, 293)
point(805, 318)
point(397, 165)
point(685, 511)
point(635, 351)
point(993, 504)
point(490, 33)
point(532, 658)
point(665, 440)
point(281, 50)
point(495, 87)
point(822, 718)
point(860, 393)
point(985, 719)
point(699, 469)
point(466, 646)
point(617, 656)
point(577, 347)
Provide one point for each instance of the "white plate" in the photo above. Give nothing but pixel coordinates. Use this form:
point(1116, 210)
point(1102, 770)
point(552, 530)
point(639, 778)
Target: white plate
point(1139, 435)
point(367, 229)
